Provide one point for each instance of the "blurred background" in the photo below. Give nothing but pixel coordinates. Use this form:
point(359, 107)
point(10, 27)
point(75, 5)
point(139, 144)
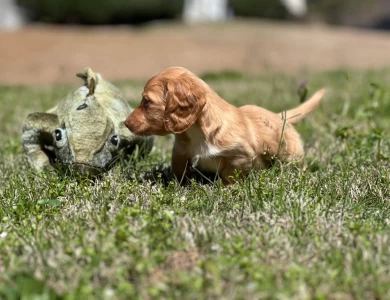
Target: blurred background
point(46, 41)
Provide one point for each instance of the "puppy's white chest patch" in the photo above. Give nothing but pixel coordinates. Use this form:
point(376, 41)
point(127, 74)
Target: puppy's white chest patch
point(206, 157)
point(208, 161)
point(204, 151)
point(203, 155)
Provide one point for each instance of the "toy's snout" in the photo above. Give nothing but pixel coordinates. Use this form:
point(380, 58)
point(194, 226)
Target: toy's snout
point(85, 170)
point(80, 169)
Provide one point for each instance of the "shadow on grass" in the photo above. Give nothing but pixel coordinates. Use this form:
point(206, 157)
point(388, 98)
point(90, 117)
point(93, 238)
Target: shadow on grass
point(162, 174)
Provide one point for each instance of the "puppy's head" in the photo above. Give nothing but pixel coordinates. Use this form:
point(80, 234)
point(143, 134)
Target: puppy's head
point(171, 102)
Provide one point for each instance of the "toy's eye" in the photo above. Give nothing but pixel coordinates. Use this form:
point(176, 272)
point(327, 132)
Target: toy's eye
point(58, 134)
point(82, 106)
point(60, 137)
point(114, 140)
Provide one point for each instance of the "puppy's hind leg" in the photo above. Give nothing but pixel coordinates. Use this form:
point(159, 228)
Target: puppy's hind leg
point(295, 151)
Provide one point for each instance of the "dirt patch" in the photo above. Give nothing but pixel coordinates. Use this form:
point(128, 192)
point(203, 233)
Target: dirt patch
point(45, 55)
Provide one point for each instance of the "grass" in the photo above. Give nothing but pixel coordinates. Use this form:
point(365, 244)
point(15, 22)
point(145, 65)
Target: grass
point(283, 233)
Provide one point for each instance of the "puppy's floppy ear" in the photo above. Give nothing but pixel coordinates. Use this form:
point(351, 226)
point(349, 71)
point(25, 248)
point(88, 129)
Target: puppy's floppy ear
point(185, 99)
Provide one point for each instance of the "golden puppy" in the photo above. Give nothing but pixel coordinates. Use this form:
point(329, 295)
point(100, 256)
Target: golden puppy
point(210, 133)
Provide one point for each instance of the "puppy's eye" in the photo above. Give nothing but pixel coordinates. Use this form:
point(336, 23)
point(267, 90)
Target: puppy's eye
point(58, 134)
point(114, 140)
point(145, 102)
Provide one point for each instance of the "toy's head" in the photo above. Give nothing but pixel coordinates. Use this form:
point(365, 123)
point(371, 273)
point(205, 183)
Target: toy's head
point(86, 130)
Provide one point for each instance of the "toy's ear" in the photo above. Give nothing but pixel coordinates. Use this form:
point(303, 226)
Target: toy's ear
point(90, 78)
point(38, 131)
point(185, 100)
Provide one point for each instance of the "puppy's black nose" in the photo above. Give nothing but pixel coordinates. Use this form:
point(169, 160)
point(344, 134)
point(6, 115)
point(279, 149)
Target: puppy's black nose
point(128, 122)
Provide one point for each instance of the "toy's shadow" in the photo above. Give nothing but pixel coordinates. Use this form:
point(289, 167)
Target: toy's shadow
point(78, 173)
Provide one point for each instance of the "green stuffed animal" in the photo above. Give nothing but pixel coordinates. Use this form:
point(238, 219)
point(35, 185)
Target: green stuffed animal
point(84, 131)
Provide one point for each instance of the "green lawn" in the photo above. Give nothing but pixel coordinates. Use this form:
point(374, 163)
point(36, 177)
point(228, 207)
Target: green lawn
point(283, 233)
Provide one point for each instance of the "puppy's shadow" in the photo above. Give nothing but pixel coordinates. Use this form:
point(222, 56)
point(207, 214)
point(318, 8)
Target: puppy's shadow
point(162, 174)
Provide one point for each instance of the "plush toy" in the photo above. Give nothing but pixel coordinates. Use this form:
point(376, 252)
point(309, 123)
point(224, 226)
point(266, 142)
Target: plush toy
point(84, 131)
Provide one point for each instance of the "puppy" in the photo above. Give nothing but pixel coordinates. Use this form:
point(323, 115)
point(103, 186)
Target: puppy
point(211, 134)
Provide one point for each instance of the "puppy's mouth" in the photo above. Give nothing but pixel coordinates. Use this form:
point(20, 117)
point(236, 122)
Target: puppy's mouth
point(138, 130)
point(145, 132)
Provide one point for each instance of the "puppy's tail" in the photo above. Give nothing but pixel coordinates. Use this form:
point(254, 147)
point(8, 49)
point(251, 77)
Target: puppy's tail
point(294, 115)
